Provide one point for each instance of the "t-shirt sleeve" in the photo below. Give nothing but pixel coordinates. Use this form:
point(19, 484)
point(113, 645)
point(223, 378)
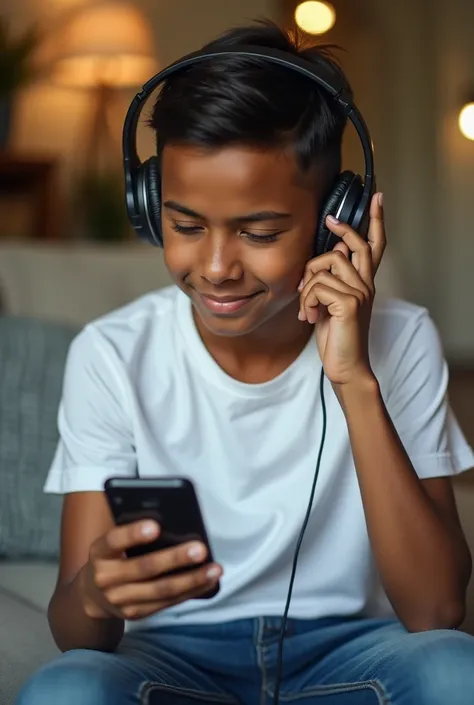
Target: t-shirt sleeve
point(95, 434)
point(418, 404)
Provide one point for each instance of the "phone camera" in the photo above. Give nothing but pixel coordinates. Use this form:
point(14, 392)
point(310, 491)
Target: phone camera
point(118, 501)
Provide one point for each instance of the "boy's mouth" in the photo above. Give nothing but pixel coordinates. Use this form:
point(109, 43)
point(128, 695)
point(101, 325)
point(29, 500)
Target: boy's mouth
point(225, 305)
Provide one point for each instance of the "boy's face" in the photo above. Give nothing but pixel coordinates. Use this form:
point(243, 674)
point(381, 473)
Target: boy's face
point(238, 228)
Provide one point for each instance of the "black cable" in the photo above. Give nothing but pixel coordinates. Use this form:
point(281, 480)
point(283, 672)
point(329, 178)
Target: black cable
point(279, 667)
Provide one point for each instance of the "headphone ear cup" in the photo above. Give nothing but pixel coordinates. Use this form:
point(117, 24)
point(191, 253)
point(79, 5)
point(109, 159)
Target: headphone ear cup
point(342, 202)
point(148, 181)
point(152, 187)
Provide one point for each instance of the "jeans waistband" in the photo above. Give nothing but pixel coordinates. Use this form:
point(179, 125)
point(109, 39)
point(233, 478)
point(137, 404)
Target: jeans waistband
point(245, 628)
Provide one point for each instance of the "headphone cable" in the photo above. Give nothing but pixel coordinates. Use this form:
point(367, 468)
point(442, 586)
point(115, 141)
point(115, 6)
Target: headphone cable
point(279, 667)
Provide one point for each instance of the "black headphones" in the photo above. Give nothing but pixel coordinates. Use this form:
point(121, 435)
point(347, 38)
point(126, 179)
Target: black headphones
point(349, 200)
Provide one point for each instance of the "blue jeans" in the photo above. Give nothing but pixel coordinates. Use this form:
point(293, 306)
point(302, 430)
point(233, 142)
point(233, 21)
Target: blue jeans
point(326, 662)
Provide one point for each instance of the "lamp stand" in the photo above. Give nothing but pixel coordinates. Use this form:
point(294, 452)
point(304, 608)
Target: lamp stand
point(99, 149)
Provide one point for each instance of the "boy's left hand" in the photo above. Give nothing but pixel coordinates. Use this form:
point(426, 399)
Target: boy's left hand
point(337, 294)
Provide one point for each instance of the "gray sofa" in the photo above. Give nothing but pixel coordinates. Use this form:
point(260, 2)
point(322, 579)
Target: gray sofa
point(32, 356)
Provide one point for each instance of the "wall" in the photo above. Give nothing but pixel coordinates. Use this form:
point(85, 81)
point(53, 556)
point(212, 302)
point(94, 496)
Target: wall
point(428, 60)
point(454, 280)
point(409, 62)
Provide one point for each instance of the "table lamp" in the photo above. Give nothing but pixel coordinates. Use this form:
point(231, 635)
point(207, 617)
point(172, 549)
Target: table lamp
point(104, 48)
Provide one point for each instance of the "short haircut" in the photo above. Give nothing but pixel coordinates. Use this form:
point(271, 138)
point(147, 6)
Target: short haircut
point(231, 100)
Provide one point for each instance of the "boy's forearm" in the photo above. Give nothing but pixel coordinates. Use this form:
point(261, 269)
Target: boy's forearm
point(72, 628)
point(423, 563)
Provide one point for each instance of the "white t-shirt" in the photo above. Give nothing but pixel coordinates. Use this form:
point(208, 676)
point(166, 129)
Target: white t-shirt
point(141, 391)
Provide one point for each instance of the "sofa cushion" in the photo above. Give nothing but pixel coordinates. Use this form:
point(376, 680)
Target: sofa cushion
point(32, 359)
point(32, 581)
point(25, 644)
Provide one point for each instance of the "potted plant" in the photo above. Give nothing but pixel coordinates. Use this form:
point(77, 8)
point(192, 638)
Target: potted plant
point(16, 70)
point(100, 201)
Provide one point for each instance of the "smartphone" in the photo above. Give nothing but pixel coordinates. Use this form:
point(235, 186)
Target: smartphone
point(170, 501)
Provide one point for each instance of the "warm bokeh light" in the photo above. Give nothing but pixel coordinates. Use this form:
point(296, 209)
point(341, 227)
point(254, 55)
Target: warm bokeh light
point(315, 17)
point(117, 72)
point(62, 5)
point(466, 121)
point(109, 43)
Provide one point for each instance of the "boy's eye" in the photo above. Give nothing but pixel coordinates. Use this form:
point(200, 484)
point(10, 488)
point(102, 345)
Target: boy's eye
point(186, 229)
point(254, 237)
point(270, 237)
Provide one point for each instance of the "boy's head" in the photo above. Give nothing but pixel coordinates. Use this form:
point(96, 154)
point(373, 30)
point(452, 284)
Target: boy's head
point(248, 151)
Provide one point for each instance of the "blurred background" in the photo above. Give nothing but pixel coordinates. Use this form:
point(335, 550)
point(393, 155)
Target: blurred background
point(68, 69)
point(412, 67)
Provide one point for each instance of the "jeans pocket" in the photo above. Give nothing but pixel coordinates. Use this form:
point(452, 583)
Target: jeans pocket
point(364, 693)
point(159, 694)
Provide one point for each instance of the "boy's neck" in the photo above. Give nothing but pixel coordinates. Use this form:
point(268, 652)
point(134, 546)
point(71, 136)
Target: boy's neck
point(263, 354)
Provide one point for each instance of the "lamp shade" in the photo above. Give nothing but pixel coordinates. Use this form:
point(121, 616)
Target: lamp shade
point(110, 43)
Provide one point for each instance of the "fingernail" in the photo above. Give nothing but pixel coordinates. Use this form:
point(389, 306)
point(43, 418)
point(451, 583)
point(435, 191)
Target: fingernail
point(213, 572)
point(300, 285)
point(381, 200)
point(333, 220)
point(196, 552)
point(300, 316)
point(149, 529)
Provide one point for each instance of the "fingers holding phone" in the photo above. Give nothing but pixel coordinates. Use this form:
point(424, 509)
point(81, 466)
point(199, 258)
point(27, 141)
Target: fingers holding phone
point(113, 585)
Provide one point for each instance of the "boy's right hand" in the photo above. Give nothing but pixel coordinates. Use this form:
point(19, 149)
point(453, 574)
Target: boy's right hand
point(112, 585)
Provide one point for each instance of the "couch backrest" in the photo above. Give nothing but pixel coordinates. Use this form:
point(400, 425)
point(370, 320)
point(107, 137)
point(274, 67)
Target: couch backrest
point(32, 359)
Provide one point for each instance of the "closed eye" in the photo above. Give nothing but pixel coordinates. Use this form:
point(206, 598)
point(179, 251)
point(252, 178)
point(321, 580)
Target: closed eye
point(254, 237)
point(270, 237)
point(186, 229)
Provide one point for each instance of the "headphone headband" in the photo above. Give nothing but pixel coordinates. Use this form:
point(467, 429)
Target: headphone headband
point(322, 75)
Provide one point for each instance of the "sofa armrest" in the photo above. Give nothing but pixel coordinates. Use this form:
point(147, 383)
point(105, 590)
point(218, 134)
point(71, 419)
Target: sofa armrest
point(25, 644)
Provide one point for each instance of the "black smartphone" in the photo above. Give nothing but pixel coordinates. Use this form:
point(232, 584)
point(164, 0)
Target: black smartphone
point(170, 501)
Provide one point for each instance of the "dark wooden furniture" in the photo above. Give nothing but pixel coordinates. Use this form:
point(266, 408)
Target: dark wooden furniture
point(461, 392)
point(29, 183)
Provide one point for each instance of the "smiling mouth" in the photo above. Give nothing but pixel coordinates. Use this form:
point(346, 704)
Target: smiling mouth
point(225, 305)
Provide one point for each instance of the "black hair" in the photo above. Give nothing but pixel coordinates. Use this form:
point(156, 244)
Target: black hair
point(248, 100)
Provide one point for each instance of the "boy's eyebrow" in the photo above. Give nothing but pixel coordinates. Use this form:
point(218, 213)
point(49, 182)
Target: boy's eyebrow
point(248, 218)
point(175, 206)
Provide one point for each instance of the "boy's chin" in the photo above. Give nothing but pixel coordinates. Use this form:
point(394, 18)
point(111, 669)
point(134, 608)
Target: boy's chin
point(225, 326)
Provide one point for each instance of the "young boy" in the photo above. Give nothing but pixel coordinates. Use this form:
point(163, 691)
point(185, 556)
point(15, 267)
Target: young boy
point(218, 379)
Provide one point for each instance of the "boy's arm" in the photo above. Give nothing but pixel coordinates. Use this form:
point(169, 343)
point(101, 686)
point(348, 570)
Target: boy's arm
point(418, 543)
point(413, 525)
